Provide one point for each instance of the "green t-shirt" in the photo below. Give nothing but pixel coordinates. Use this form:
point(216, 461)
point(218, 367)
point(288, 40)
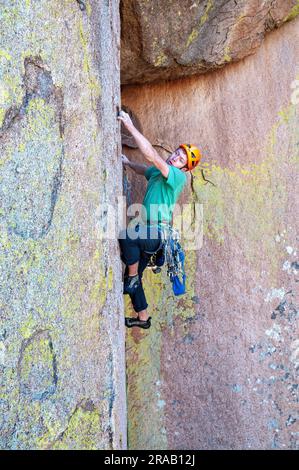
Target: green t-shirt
point(162, 193)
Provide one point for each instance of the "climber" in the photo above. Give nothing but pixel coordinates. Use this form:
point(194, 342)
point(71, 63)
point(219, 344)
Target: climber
point(166, 180)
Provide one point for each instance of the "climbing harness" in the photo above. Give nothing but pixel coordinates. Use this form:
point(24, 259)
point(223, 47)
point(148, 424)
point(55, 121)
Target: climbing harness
point(156, 261)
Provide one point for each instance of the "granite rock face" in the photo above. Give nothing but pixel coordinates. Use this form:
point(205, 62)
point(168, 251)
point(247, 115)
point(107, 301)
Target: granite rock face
point(173, 38)
point(220, 363)
point(61, 308)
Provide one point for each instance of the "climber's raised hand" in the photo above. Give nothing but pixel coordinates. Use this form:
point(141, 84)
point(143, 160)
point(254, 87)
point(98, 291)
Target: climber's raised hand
point(126, 120)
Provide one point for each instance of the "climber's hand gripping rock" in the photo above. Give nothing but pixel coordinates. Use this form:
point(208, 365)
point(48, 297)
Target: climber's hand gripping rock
point(126, 120)
point(125, 160)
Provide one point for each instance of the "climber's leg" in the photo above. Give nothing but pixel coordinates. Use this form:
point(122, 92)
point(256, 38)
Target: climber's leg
point(131, 281)
point(139, 301)
point(133, 269)
point(143, 315)
point(138, 296)
point(131, 250)
point(129, 322)
point(130, 254)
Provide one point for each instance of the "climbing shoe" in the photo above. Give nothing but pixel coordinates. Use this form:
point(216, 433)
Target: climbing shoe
point(129, 322)
point(130, 284)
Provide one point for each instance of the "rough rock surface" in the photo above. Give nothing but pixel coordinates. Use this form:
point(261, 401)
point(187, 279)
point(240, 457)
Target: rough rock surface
point(61, 308)
point(174, 38)
point(220, 364)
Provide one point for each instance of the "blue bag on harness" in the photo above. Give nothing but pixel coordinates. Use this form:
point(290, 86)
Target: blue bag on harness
point(177, 273)
point(179, 285)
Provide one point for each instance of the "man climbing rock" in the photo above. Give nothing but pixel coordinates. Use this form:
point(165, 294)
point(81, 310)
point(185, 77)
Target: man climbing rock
point(166, 180)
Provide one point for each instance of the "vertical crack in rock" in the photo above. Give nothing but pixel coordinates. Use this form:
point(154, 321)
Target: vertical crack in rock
point(111, 396)
point(194, 199)
point(32, 137)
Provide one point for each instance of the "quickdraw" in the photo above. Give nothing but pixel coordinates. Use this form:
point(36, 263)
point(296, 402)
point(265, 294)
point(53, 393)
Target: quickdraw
point(171, 252)
point(174, 257)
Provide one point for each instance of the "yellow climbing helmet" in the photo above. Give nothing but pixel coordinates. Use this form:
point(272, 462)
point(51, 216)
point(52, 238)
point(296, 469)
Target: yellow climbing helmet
point(193, 155)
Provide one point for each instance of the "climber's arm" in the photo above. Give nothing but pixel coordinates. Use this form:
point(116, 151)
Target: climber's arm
point(144, 145)
point(160, 164)
point(139, 168)
point(149, 152)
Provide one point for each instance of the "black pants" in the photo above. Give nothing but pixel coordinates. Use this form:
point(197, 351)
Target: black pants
point(138, 245)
